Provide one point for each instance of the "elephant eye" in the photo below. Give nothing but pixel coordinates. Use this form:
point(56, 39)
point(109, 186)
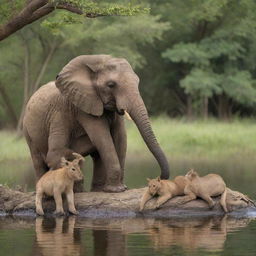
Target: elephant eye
point(111, 84)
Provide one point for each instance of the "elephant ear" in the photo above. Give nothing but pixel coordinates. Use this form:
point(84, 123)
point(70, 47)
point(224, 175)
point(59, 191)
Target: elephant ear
point(77, 79)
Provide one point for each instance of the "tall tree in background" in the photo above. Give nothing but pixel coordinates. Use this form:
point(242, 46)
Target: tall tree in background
point(216, 54)
point(53, 42)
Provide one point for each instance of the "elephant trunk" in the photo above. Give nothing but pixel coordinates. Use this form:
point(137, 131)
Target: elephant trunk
point(139, 114)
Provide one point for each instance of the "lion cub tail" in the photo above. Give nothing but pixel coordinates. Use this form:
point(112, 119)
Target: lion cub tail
point(223, 201)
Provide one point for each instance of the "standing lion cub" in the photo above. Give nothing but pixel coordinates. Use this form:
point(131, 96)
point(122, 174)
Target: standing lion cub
point(55, 182)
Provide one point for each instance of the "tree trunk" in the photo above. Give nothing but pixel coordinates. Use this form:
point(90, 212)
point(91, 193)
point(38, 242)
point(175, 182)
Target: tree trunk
point(45, 63)
point(125, 204)
point(189, 107)
point(26, 82)
point(224, 107)
point(205, 108)
point(30, 88)
point(9, 106)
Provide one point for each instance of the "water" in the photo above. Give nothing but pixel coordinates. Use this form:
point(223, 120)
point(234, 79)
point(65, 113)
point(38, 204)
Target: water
point(238, 171)
point(114, 237)
point(182, 236)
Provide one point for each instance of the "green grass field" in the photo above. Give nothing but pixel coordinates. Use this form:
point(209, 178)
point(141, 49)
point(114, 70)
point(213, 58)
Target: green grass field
point(226, 148)
point(176, 137)
point(201, 138)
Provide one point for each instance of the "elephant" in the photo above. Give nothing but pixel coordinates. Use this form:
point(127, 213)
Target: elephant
point(83, 112)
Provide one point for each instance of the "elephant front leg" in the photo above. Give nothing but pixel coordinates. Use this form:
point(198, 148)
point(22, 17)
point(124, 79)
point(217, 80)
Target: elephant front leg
point(98, 131)
point(120, 141)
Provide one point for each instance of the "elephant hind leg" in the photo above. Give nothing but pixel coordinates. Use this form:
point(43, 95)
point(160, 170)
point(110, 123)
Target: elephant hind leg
point(37, 158)
point(99, 173)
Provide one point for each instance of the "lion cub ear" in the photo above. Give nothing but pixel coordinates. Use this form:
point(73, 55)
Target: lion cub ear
point(158, 178)
point(148, 179)
point(63, 162)
point(190, 172)
point(194, 173)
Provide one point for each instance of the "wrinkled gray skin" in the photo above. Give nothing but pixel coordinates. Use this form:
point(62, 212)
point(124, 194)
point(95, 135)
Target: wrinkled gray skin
point(83, 112)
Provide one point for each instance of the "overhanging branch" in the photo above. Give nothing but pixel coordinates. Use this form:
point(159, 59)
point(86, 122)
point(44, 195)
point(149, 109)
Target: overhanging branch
point(37, 9)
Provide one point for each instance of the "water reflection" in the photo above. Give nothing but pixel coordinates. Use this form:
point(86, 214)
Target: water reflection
point(109, 243)
point(190, 234)
point(114, 237)
point(209, 234)
point(57, 237)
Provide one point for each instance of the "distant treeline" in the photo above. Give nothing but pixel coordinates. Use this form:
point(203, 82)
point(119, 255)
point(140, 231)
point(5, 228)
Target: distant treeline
point(195, 58)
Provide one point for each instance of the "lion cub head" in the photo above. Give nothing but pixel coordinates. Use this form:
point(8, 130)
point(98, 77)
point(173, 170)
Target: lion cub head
point(73, 168)
point(191, 174)
point(154, 185)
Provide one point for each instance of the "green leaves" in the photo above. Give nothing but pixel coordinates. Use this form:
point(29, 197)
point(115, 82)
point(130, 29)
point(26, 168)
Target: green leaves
point(217, 56)
point(203, 83)
point(9, 8)
point(240, 86)
point(104, 8)
point(188, 53)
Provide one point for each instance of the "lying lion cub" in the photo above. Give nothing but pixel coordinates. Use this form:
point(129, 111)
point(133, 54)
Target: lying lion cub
point(56, 182)
point(205, 187)
point(165, 189)
point(190, 185)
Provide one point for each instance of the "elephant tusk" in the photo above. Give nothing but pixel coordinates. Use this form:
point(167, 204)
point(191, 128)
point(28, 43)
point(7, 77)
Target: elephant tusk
point(127, 116)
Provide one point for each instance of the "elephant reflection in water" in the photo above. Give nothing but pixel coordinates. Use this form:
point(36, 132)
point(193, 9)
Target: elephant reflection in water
point(60, 237)
point(57, 237)
point(209, 233)
point(109, 243)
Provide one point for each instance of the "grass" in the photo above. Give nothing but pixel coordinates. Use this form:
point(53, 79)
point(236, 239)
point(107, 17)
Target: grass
point(177, 138)
point(226, 148)
point(12, 147)
point(201, 139)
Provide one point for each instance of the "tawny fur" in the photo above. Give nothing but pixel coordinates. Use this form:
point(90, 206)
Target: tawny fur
point(205, 187)
point(56, 182)
point(164, 189)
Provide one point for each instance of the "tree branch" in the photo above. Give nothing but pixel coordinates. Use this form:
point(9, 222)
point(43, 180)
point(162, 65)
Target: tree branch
point(69, 8)
point(22, 19)
point(37, 9)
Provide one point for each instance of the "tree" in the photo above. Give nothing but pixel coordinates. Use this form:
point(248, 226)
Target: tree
point(215, 54)
point(14, 15)
point(52, 42)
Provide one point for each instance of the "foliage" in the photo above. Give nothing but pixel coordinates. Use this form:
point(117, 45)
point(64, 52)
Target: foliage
point(192, 56)
point(10, 8)
point(119, 36)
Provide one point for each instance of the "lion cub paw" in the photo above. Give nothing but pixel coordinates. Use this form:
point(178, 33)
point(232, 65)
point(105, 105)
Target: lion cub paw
point(211, 205)
point(75, 212)
point(61, 212)
point(40, 212)
point(157, 206)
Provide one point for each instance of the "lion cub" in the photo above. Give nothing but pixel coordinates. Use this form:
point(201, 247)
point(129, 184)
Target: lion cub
point(205, 187)
point(56, 182)
point(165, 189)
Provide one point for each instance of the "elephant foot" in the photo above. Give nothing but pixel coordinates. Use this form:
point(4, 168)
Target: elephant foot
point(97, 188)
point(114, 189)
